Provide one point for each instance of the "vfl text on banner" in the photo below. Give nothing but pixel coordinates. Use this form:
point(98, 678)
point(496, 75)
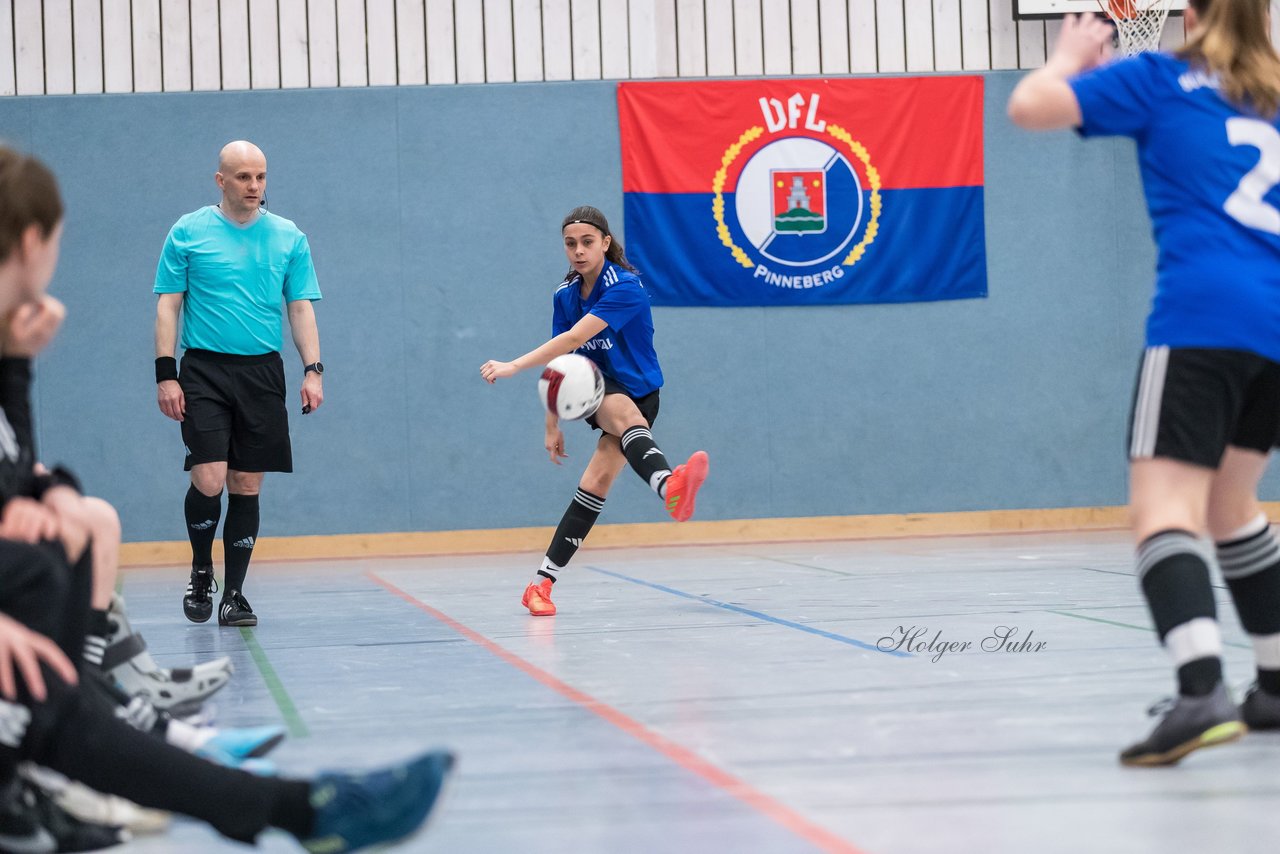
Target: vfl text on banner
point(805, 192)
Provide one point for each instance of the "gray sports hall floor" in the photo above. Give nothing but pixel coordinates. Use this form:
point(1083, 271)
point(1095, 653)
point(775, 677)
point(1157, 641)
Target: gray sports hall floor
point(733, 699)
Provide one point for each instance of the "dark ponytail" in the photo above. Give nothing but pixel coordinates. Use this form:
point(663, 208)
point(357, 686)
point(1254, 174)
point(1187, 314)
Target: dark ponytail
point(592, 216)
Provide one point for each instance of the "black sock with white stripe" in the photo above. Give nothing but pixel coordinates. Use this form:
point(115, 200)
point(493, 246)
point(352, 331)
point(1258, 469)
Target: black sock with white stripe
point(573, 529)
point(646, 458)
point(95, 639)
point(1173, 569)
point(1250, 563)
point(239, 535)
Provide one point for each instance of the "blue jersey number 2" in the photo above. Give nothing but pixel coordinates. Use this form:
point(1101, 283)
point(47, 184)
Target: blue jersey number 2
point(1245, 205)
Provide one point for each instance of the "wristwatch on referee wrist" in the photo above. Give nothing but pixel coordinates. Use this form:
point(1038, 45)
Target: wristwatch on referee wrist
point(318, 367)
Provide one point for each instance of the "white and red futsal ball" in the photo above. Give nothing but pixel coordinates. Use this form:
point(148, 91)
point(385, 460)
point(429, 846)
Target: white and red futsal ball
point(571, 387)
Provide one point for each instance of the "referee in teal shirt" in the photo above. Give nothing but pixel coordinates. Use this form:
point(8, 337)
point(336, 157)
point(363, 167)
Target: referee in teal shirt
point(225, 269)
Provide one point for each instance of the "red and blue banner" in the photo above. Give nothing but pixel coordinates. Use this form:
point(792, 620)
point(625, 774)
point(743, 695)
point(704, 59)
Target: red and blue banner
point(805, 192)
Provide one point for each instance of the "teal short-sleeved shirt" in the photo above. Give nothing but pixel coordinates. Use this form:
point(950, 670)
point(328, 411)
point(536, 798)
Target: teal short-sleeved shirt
point(234, 278)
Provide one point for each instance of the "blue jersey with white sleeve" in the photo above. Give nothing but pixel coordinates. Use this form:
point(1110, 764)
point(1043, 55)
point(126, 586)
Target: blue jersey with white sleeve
point(623, 350)
point(1210, 171)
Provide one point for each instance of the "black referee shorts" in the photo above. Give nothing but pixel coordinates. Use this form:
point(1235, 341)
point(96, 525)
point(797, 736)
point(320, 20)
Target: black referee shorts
point(235, 411)
point(648, 405)
point(1191, 403)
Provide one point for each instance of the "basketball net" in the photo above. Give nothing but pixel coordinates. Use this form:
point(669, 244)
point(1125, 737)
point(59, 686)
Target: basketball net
point(1139, 23)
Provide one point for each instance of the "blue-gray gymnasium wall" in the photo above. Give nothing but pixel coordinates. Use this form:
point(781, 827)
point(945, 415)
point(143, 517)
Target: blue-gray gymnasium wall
point(433, 216)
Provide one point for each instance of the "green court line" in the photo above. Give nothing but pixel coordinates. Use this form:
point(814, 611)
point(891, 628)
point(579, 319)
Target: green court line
point(1146, 629)
point(292, 720)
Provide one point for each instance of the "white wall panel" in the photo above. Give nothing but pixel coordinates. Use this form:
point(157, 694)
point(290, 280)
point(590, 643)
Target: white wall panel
point(833, 22)
point(560, 40)
point(468, 36)
point(264, 44)
point(28, 49)
point(975, 35)
point(906, 30)
point(295, 64)
point(748, 38)
point(499, 46)
point(380, 42)
point(863, 52)
point(59, 59)
point(86, 25)
point(948, 51)
point(322, 39)
point(584, 26)
point(353, 59)
point(8, 80)
point(148, 67)
point(233, 16)
point(86, 46)
point(117, 46)
point(414, 27)
point(615, 55)
point(776, 24)
point(1030, 44)
point(1004, 34)
point(526, 18)
point(720, 49)
point(806, 43)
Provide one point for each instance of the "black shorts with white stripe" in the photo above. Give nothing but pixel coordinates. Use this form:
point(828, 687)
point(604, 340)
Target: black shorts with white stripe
point(1191, 403)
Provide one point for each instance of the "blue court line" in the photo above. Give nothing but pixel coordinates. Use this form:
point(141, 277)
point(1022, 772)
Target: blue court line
point(737, 609)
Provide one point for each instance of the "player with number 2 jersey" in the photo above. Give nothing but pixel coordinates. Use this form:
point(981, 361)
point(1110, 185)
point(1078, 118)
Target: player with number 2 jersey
point(1206, 412)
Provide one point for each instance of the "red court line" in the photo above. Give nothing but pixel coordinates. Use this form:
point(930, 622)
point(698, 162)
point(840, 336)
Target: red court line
point(682, 756)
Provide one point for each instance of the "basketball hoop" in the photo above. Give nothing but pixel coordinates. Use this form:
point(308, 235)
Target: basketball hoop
point(1139, 23)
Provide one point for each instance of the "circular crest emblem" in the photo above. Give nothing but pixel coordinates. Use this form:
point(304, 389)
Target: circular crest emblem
point(800, 204)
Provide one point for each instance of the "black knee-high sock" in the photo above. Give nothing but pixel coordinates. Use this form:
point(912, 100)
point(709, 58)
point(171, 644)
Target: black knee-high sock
point(573, 529)
point(1173, 569)
point(203, 512)
point(1250, 564)
point(239, 535)
point(646, 458)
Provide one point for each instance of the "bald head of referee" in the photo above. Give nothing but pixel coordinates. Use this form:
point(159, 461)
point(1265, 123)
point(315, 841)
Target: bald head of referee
point(242, 178)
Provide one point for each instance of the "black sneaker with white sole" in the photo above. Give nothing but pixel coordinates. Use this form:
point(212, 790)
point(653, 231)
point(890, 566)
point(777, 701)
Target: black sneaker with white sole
point(197, 604)
point(235, 610)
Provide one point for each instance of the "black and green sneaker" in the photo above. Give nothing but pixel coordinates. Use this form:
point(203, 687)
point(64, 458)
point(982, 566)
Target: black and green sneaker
point(1187, 724)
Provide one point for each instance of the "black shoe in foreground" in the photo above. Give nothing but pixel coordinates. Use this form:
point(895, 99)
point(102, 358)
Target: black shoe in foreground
point(1188, 723)
point(235, 610)
point(197, 604)
point(1260, 710)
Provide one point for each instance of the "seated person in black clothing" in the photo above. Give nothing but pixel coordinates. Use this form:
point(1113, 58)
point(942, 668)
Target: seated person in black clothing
point(45, 715)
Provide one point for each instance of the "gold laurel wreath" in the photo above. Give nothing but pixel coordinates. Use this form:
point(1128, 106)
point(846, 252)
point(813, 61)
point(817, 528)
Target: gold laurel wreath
point(873, 178)
point(717, 186)
point(754, 133)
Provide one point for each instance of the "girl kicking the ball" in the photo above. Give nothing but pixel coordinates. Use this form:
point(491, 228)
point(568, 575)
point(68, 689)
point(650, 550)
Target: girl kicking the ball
point(601, 310)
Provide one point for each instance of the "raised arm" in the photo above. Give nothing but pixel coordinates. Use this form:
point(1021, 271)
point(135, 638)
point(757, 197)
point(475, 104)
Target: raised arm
point(1044, 100)
point(566, 342)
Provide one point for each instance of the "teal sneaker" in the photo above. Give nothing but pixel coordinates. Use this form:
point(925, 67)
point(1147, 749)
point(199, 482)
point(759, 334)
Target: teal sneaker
point(354, 811)
point(233, 747)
